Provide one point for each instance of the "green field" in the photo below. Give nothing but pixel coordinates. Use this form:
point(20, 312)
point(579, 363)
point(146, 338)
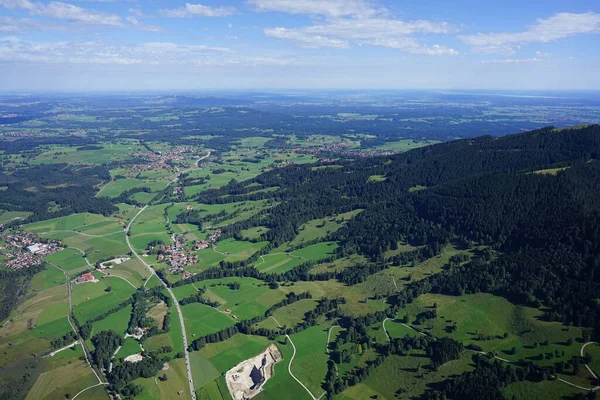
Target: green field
point(408, 374)
point(252, 298)
point(320, 228)
point(201, 320)
point(68, 259)
point(281, 383)
point(131, 346)
point(70, 155)
point(91, 299)
point(117, 322)
point(310, 363)
point(486, 314)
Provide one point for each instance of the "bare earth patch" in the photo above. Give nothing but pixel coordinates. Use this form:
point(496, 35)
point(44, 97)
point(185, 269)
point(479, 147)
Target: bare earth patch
point(247, 379)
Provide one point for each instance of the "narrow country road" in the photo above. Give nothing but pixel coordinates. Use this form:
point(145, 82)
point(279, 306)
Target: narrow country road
point(587, 366)
point(79, 338)
point(164, 284)
point(329, 337)
point(290, 363)
point(175, 302)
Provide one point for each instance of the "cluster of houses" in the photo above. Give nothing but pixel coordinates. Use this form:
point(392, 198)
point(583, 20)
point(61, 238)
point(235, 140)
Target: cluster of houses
point(19, 134)
point(209, 242)
point(342, 149)
point(176, 255)
point(24, 250)
point(159, 159)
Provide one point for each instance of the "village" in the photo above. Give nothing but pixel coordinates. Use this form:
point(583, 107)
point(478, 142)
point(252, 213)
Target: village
point(159, 159)
point(177, 257)
point(25, 250)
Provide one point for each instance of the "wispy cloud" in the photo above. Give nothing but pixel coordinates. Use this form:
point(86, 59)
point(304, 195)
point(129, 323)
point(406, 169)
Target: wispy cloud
point(539, 57)
point(383, 32)
point(75, 14)
point(198, 10)
point(150, 53)
point(328, 8)
point(22, 25)
point(557, 27)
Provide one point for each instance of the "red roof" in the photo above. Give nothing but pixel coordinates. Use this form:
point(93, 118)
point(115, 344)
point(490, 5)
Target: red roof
point(88, 277)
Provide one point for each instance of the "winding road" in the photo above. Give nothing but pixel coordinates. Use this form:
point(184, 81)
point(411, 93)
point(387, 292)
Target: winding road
point(164, 284)
point(175, 302)
point(79, 338)
point(290, 364)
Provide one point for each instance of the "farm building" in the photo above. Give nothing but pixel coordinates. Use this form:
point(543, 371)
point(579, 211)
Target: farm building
point(86, 278)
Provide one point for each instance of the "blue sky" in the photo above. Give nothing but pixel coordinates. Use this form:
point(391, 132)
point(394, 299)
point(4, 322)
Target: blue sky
point(381, 44)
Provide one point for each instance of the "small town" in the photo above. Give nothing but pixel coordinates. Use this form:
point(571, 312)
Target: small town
point(24, 249)
point(159, 159)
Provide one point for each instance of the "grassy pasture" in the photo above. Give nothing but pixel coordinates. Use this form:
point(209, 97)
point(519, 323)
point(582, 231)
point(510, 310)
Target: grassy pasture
point(69, 222)
point(252, 298)
point(214, 390)
point(403, 373)
point(90, 299)
point(68, 259)
point(116, 187)
point(96, 393)
point(201, 320)
point(406, 144)
point(540, 390)
point(143, 197)
point(96, 248)
point(290, 315)
point(340, 264)
point(319, 228)
point(132, 270)
point(154, 389)
point(310, 363)
point(317, 251)
point(550, 171)
point(377, 178)
point(227, 354)
point(7, 216)
point(254, 233)
point(117, 322)
point(281, 383)
point(277, 263)
point(70, 155)
point(486, 314)
point(235, 250)
point(59, 381)
point(131, 346)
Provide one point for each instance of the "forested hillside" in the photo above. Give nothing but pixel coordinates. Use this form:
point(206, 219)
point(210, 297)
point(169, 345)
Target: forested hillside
point(545, 226)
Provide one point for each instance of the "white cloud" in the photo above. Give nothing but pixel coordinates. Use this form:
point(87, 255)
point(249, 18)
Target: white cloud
point(539, 57)
point(75, 14)
point(391, 33)
point(198, 10)
point(13, 49)
point(514, 61)
point(328, 8)
point(557, 27)
point(20, 25)
point(137, 12)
